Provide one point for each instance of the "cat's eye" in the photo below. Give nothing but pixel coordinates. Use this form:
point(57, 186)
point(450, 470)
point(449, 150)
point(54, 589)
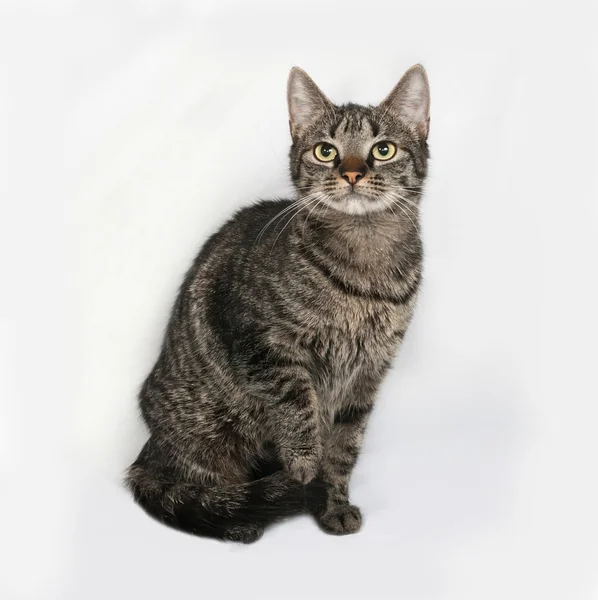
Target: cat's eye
point(325, 152)
point(384, 150)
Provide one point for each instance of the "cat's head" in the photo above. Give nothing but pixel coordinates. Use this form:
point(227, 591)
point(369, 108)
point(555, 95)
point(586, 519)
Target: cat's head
point(360, 159)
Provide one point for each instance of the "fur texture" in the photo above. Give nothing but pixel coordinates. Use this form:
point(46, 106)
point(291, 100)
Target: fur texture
point(285, 326)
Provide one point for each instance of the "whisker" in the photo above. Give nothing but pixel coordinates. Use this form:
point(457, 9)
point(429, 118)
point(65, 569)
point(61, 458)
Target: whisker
point(305, 205)
point(283, 212)
point(390, 206)
point(280, 214)
point(410, 208)
point(402, 209)
point(395, 199)
point(320, 201)
point(407, 200)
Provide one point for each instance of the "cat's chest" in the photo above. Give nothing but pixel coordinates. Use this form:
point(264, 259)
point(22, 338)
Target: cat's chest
point(345, 348)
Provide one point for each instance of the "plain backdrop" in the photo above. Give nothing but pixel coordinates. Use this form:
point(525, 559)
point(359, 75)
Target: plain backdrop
point(131, 130)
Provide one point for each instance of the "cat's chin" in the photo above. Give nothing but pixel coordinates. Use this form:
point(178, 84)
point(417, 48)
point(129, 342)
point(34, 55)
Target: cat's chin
point(355, 203)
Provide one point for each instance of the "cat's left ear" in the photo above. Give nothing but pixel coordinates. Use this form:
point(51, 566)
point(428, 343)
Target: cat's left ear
point(410, 99)
point(305, 99)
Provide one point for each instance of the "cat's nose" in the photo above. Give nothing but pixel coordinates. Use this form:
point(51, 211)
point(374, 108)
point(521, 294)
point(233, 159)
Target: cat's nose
point(352, 176)
point(352, 169)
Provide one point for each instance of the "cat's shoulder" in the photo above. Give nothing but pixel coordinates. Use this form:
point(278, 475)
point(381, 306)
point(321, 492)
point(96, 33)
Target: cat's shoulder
point(261, 209)
point(251, 219)
point(246, 224)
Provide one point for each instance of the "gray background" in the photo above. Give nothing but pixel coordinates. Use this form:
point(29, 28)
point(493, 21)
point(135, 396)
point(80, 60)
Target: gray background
point(119, 122)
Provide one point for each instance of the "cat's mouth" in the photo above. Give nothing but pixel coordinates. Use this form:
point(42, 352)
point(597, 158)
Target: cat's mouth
point(356, 202)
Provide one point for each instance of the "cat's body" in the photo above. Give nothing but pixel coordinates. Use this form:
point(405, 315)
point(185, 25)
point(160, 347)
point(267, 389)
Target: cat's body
point(282, 332)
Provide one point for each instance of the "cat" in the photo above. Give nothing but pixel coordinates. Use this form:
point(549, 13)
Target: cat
point(286, 324)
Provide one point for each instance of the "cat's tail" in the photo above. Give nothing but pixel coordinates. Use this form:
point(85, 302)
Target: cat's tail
point(235, 512)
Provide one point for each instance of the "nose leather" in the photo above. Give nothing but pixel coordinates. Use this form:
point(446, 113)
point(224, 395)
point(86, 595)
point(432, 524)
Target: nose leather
point(352, 168)
point(352, 176)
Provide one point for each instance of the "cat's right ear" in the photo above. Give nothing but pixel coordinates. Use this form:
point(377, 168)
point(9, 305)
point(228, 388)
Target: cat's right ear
point(305, 100)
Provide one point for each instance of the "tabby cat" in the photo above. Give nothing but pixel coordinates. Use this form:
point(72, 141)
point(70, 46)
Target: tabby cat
point(286, 324)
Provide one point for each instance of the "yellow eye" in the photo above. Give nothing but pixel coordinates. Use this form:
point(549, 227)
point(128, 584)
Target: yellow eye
point(384, 150)
point(325, 152)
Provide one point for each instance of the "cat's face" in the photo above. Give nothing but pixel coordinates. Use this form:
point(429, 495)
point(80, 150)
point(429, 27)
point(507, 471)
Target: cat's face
point(359, 159)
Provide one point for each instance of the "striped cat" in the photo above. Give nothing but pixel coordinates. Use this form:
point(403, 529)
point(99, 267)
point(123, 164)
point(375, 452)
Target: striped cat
point(286, 324)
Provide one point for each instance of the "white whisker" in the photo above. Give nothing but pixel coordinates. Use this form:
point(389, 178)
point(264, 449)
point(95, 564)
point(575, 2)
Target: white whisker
point(323, 198)
point(395, 200)
point(286, 210)
point(304, 205)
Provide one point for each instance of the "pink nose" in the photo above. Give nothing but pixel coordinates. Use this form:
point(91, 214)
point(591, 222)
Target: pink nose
point(352, 176)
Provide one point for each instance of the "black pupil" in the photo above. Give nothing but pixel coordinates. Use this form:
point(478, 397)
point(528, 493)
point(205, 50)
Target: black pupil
point(383, 149)
point(326, 150)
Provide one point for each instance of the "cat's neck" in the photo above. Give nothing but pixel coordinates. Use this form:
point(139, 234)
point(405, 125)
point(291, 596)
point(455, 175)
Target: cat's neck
point(374, 241)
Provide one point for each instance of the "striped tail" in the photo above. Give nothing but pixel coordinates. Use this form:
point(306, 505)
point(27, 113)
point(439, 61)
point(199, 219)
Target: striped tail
point(236, 512)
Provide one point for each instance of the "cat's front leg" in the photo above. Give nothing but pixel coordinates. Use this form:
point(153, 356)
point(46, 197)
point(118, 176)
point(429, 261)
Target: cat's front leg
point(341, 450)
point(294, 421)
point(299, 443)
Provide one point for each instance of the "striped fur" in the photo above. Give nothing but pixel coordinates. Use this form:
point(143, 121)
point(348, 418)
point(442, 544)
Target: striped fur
point(283, 330)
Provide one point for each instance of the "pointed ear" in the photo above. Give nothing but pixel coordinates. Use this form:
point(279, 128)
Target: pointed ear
point(305, 99)
point(410, 99)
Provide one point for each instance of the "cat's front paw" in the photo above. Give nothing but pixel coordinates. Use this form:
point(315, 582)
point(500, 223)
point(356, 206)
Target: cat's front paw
point(341, 520)
point(302, 465)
